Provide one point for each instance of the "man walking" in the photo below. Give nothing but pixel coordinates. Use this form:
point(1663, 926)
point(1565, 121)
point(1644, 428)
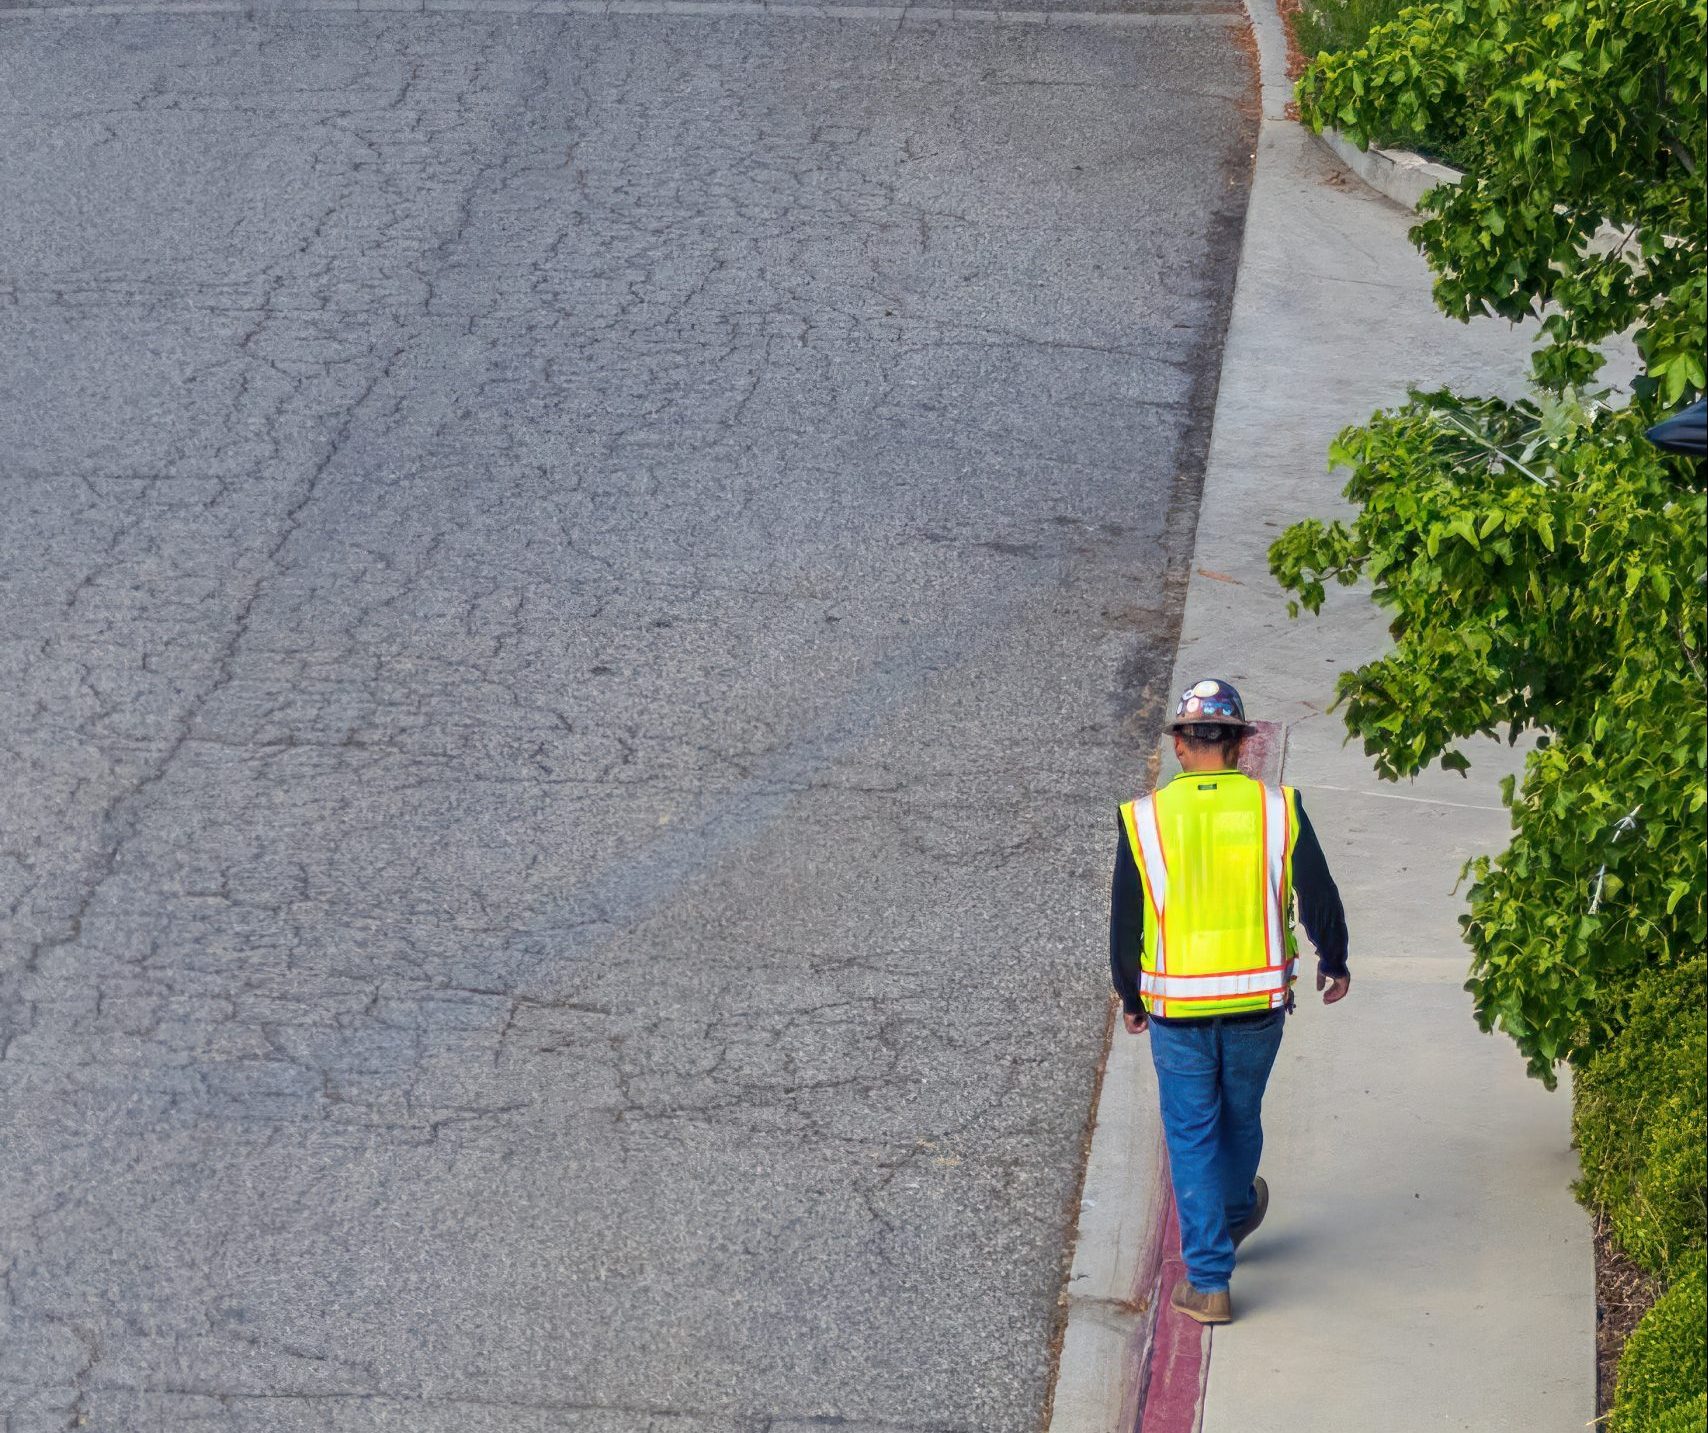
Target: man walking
point(1202, 952)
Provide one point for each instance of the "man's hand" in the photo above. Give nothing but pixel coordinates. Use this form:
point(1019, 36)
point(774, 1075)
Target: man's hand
point(1135, 1023)
point(1337, 987)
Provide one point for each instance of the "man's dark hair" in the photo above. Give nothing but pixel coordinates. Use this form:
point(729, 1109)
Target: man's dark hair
point(1207, 736)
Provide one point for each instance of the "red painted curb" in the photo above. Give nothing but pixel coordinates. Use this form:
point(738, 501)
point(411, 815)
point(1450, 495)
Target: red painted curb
point(1179, 1354)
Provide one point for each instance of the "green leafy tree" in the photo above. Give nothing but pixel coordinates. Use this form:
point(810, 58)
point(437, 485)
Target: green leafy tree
point(1575, 119)
point(1542, 565)
point(1548, 581)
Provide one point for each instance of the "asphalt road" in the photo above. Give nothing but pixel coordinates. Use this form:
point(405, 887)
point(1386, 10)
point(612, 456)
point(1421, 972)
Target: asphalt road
point(576, 595)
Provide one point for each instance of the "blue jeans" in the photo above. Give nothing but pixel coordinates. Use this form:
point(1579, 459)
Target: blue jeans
point(1210, 1077)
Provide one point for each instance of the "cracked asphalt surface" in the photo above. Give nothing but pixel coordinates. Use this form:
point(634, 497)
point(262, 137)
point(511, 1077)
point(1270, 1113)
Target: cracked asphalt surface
point(576, 595)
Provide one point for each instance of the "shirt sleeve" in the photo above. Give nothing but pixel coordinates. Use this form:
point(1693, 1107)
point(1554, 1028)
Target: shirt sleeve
point(1126, 923)
point(1320, 910)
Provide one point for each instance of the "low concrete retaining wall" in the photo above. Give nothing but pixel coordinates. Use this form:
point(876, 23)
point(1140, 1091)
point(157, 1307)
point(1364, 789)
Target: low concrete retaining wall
point(1398, 173)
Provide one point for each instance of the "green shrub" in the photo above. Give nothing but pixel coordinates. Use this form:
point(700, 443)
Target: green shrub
point(1328, 25)
point(1641, 1120)
point(1332, 26)
point(1683, 1417)
point(1665, 1364)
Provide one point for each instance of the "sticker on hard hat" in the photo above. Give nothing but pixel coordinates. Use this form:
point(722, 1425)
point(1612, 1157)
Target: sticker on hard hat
point(1205, 689)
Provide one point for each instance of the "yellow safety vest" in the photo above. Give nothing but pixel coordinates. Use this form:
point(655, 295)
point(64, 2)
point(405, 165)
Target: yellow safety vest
point(1215, 857)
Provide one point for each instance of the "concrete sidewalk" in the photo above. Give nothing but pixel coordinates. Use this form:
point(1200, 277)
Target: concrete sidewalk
point(1424, 1265)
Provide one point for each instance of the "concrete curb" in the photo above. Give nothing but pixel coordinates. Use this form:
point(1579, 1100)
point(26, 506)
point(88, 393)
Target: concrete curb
point(1118, 1255)
point(1126, 1207)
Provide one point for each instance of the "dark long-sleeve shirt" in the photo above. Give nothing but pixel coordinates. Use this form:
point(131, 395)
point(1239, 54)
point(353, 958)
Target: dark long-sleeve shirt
point(1319, 908)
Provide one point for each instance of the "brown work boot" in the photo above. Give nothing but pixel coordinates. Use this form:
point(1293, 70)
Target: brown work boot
point(1216, 1308)
point(1258, 1210)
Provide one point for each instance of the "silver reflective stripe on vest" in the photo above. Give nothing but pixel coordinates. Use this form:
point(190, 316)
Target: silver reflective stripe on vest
point(1246, 982)
point(1156, 868)
point(1277, 817)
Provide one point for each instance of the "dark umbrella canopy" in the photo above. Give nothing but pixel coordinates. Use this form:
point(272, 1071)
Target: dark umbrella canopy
point(1684, 432)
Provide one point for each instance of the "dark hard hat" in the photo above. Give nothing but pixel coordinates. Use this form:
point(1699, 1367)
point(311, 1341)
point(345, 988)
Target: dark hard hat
point(1209, 703)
